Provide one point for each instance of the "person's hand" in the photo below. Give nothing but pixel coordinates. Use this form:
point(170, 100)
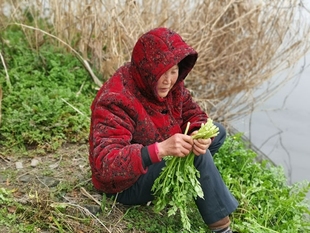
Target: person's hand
point(200, 146)
point(178, 145)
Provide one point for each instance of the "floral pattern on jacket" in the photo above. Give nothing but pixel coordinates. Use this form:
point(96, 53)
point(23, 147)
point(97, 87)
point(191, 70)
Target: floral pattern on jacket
point(127, 114)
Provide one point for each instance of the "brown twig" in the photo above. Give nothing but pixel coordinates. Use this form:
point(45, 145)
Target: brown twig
point(87, 194)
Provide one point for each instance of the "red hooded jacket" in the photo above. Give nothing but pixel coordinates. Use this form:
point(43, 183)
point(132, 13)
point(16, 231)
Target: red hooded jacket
point(128, 116)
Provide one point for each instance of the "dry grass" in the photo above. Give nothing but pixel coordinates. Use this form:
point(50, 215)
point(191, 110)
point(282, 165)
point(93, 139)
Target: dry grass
point(57, 195)
point(241, 44)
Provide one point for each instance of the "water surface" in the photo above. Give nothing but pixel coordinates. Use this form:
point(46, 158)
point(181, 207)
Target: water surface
point(280, 127)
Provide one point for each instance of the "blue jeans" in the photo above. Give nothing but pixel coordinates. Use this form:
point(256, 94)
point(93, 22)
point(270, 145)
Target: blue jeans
point(218, 202)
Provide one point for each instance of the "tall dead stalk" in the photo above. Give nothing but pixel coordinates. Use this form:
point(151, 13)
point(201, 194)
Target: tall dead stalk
point(242, 44)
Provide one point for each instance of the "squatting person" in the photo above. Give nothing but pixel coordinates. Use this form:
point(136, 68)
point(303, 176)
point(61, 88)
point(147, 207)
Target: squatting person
point(139, 116)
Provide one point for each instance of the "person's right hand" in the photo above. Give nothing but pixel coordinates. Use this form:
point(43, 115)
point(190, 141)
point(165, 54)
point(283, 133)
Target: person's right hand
point(177, 145)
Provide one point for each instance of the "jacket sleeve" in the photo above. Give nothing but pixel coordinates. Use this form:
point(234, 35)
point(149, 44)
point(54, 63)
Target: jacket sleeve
point(115, 162)
point(192, 112)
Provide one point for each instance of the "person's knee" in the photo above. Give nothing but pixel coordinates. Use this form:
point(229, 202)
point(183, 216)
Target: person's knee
point(222, 132)
point(218, 140)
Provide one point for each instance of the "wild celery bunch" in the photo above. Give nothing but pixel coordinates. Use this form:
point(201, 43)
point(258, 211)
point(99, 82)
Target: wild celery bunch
point(178, 182)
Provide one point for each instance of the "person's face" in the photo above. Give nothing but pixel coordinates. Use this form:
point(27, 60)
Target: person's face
point(167, 80)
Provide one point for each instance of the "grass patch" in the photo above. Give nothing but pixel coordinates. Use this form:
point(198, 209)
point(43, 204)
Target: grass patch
point(47, 99)
point(267, 202)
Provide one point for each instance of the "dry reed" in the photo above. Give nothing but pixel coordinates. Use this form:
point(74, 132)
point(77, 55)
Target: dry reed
point(241, 44)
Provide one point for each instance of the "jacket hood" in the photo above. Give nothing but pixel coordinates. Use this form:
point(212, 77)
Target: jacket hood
point(156, 52)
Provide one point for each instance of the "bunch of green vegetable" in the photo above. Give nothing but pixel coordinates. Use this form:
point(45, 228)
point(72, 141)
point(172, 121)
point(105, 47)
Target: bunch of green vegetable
point(178, 182)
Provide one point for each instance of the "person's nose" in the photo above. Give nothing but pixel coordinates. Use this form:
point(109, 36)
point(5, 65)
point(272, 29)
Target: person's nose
point(167, 78)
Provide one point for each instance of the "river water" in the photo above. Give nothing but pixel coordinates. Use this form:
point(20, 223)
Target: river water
point(280, 127)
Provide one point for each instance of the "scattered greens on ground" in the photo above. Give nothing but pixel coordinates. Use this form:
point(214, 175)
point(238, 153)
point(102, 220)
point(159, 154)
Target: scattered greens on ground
point(178, 182)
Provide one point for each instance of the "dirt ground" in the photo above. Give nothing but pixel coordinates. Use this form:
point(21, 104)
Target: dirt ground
point(57, 185)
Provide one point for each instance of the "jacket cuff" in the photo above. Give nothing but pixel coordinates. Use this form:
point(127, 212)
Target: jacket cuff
point(153, 152)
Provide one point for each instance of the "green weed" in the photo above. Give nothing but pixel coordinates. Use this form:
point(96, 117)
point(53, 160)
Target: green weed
point(267, 202)
point(47, 99)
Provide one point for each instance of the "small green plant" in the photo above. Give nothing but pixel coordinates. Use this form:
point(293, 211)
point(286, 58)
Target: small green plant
point(5, 196)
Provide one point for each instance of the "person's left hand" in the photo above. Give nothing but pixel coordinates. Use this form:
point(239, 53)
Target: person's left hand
point(200, 146)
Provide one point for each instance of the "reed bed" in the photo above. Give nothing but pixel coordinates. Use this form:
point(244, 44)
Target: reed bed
point(242, 44)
